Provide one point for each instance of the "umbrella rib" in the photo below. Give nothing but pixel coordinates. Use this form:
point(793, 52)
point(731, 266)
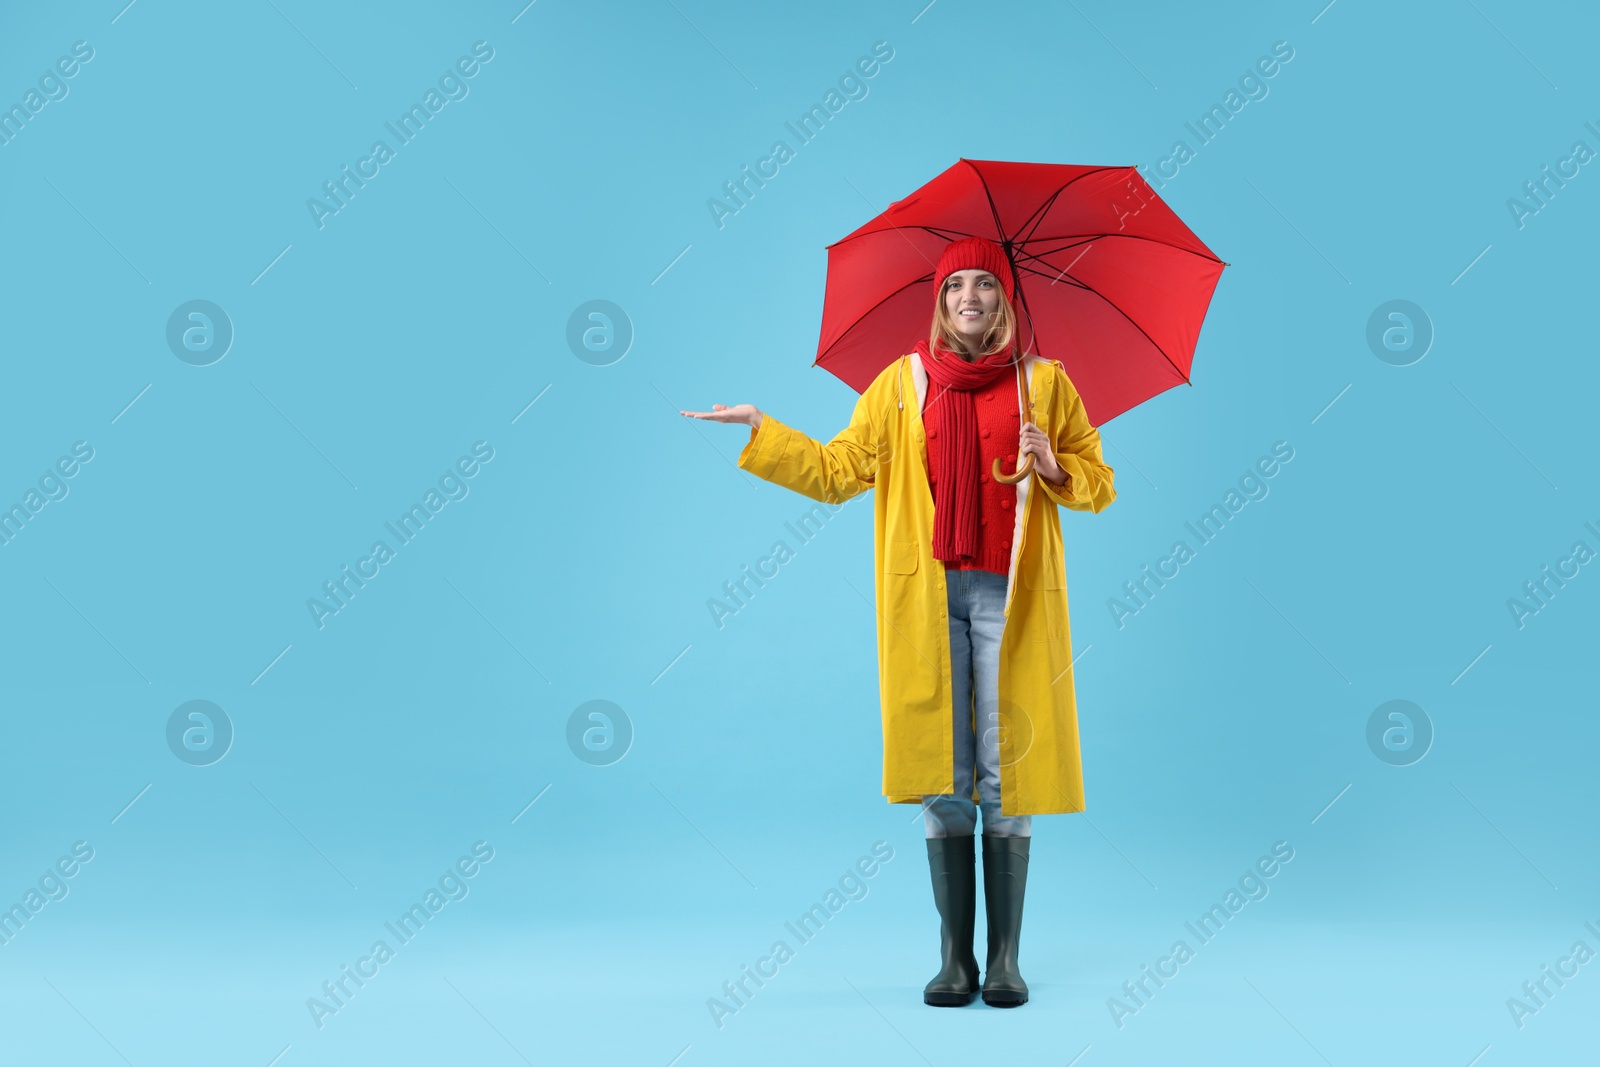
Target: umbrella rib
point(937, 231)
point(919, 278)
point(1102, 298)
point(1039, 213)
point(1056, 278)
point(1129, 320)
point(1025, 254)
point(942, 234)
point(1011, 260)
point(948, 234)
point(865, 314)
point(945, 232)
point(1207, 255)
point(1111, 304)
point(993, 211)
point(1043, 209)
point(1037, 218)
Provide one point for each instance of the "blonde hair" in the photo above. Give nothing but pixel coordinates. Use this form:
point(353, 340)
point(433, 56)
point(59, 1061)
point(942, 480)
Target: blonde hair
point(997, 338)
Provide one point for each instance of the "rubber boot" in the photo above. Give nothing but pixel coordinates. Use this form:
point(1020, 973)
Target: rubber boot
point(955, 893)
point(1005, 878)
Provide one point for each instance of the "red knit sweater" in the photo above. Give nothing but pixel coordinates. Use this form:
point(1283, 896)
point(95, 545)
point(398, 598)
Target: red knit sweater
point(999, 426)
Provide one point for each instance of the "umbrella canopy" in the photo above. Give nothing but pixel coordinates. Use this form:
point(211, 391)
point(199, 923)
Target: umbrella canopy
point(1110, 283)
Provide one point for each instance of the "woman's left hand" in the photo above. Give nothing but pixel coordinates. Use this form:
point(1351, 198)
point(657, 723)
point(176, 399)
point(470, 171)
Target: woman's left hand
point(1034, 441)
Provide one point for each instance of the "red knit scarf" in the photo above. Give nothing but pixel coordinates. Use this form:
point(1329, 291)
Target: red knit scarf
point(955, 497)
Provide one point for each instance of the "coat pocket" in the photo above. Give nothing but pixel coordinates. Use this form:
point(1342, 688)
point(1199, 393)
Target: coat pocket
point(901, 557)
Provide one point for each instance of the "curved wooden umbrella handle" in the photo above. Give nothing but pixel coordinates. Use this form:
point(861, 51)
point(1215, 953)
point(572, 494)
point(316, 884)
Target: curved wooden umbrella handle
point(1012, 479)
point(1026, 402)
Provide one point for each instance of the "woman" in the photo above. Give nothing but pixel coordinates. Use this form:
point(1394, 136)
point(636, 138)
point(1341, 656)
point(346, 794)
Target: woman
point(975, 667)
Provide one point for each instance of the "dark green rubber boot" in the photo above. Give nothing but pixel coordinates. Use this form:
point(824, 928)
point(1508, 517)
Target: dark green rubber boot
point(1005, 877)
point(955, 894)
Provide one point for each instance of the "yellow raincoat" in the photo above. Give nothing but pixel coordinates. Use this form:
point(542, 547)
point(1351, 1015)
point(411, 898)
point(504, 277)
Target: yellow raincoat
point(883, 447)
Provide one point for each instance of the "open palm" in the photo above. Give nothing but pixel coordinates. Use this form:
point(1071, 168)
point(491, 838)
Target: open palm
point(740, 413)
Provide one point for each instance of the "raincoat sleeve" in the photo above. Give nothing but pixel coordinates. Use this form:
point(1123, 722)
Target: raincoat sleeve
point(832, 473)
point(1089, 485)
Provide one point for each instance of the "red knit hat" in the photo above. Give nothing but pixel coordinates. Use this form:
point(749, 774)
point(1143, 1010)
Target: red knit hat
point(971, 253)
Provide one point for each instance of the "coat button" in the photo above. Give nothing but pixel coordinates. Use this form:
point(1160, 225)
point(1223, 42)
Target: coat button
point(1011, 460)
point(986, 433)
point(983, 477)
point(982, 521)
point(932, 434)
point(1005, 504)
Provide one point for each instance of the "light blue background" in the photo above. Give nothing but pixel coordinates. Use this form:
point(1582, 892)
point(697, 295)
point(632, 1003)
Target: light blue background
point(427, 715)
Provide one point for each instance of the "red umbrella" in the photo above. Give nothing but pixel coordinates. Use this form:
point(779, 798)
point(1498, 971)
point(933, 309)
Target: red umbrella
point(1110, 283)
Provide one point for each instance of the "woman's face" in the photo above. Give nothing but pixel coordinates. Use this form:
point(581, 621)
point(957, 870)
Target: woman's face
point(972, 300)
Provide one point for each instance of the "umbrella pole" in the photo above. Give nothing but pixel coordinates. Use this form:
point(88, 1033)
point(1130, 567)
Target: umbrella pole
point(1024, 401)
point(1025, 405)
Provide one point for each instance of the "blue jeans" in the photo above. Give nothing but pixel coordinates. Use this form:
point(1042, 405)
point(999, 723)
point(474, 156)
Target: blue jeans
point(977, 601)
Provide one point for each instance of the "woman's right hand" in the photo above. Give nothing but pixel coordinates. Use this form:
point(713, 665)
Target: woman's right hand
point(747, 414)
